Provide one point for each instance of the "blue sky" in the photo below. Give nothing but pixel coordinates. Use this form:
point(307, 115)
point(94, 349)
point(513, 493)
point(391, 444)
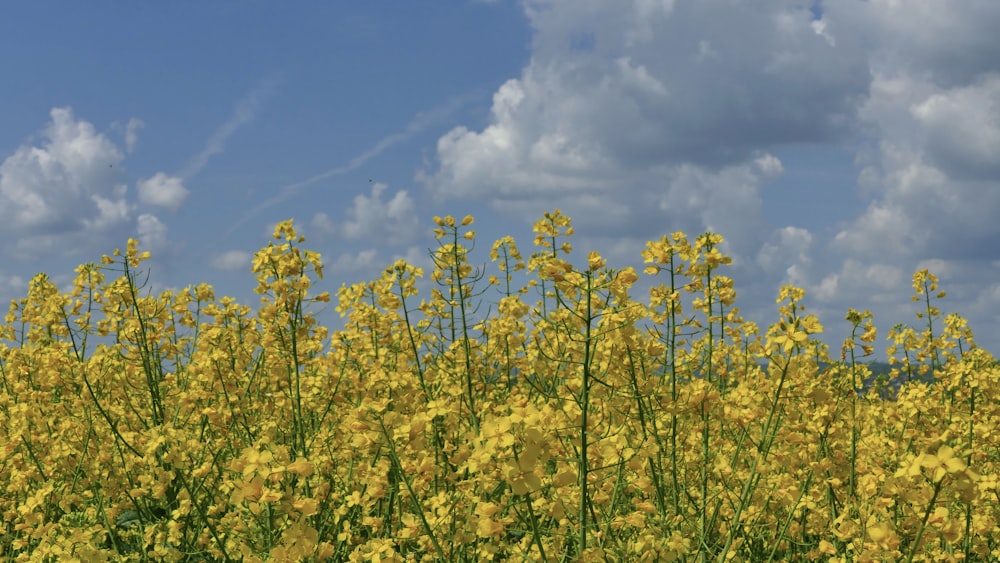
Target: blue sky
point(838, 146)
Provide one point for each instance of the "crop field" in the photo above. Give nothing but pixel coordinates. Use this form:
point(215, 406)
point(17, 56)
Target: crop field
point(566, 418)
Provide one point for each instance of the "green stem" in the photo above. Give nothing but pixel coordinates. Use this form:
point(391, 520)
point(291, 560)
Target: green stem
point(394, 457)
point(923, 523)
point(584, 407)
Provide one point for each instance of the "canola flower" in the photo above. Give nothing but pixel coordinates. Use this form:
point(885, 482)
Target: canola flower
point(562, 418)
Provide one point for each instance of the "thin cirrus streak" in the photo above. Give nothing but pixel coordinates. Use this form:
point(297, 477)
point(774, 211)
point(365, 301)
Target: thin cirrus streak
point(418, 124)
point(244, 112)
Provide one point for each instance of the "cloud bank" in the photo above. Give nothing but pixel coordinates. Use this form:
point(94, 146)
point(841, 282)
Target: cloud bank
point(638, 117)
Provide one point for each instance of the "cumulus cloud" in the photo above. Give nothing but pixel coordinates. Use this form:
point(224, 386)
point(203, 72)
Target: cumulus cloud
point(152, 233)
point(787, 251)
point(415, 256)
point(933, 184)
point(650, 115)
point(12, 284)
point(392, 221)
point(928, 169)
point(656, 84)
point(638, 117)
point(322, 225)
point(378, 217)
point(723, 201)
point(857, 275)
point(962, 128)
point(163, 190)
point(988, 299)
point(64, 191)
point(232, 260)
point(132, 133)
point(352, 263)
point(950, 43)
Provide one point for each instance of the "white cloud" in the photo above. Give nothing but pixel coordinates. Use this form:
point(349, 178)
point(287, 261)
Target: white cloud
point(637, 117)
point(950, 42)
point(932, 184)
point(877, 281)
point(415, 256)
point(12, 284)
point(232, 260)
point(725, 201)
point(63, 193)
point(829, 288)
point(788, 251)
point(392, 222)
point(820, 27)
point(112, 211)
point(942, 268)
point(933, 117)
point(163, 190)
point(363, 261)
point(152, 233)
point(988, 300)
point(706, 52)
point(935, 188)
point(655, 92)
point(372, 218)
point(132, 133)
point(962, 128)
point(322, 225)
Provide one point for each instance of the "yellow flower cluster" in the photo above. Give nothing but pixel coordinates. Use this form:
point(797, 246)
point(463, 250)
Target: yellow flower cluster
point(564, 420)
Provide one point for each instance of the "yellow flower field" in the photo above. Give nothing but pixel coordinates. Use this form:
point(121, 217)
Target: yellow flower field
point(564, 419)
